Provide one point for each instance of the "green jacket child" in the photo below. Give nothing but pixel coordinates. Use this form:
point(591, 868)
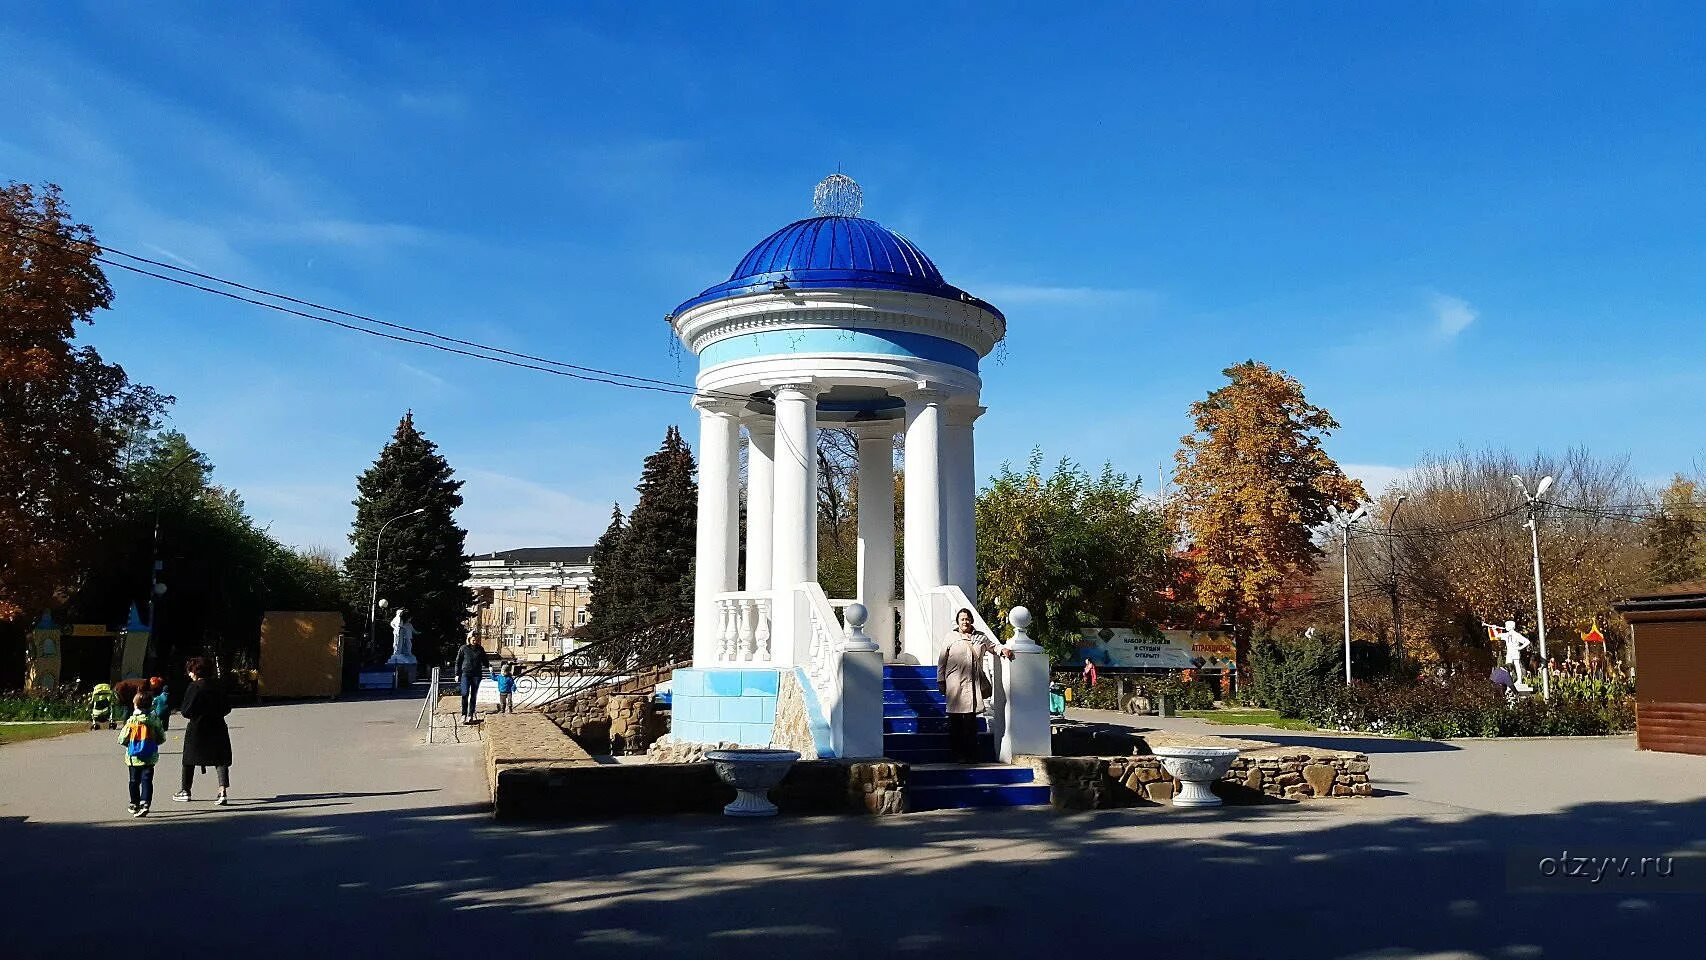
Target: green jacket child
point(141, 740)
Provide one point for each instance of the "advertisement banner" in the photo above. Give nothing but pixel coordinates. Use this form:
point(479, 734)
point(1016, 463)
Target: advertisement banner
point(1161, 650)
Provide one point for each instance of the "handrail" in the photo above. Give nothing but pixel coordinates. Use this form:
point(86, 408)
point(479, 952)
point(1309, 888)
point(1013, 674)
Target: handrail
point(660, 644)
point(824, 663)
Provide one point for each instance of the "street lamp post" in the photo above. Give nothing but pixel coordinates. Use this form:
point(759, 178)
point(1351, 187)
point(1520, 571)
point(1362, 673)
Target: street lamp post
point(373, 603)
point(1392, 555)
point(1534, 504)
point(1346, 521)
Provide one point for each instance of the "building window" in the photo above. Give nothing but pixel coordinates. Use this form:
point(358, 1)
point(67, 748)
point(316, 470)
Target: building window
point(533, 618)
point(509, 617)
point(509, 593)
point(556, 618)
point(580, 617)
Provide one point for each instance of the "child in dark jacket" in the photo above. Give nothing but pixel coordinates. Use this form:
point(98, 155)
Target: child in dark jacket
point(141, 741)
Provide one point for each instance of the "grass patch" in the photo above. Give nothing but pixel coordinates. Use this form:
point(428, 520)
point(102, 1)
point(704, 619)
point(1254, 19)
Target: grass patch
point(18, 732)
point(1264, 718)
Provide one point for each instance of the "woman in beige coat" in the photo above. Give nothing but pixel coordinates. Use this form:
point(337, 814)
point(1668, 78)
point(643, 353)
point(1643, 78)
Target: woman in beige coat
point(960, 677)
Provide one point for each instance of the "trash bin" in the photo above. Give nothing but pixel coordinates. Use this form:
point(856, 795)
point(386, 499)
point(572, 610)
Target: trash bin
point(1056, 700)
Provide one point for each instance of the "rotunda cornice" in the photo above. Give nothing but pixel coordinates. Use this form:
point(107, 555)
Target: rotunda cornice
point(964, 323)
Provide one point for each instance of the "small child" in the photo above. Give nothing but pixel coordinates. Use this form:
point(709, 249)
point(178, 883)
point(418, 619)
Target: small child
point(506, 688)
point(141, 741)
point(162, 711)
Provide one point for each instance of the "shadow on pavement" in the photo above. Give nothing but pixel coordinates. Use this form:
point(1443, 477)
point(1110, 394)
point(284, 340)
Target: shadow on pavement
point(1317, 881)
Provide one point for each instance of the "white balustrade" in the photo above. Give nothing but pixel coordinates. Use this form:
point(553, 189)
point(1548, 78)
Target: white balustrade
point(744, 628)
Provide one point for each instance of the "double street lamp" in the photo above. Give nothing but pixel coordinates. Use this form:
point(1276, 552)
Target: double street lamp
point(373, 604)
point(1534, 504)
point(1346, 521)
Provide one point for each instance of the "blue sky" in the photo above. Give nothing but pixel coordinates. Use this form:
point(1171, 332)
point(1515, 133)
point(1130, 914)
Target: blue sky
point(1455, 223)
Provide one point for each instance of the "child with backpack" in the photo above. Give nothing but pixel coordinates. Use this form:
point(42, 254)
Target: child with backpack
point(141, 741)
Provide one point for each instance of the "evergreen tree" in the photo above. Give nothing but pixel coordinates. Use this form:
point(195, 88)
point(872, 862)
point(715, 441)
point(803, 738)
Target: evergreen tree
point(606, 603)
point(424, 566)
point(657, 549)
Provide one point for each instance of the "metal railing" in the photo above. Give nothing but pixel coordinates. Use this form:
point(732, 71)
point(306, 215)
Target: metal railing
point(605, 661)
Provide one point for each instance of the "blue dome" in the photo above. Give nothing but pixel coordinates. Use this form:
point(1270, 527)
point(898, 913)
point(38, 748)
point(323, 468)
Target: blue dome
point(840, 252)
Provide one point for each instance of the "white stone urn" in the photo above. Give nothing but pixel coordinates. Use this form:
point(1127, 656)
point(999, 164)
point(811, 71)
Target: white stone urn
point(752, 772)
point(1196, 768)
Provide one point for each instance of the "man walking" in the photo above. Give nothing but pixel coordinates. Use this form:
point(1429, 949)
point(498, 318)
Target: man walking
point(470, 670)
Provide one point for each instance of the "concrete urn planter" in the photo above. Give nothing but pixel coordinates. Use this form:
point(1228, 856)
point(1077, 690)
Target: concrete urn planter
point(752, 772)
point(1196, 768)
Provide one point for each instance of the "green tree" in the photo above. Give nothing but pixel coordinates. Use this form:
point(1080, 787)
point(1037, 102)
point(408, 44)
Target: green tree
point(1253, 484)
point(64, 412)
point(656, 555)
point(1677, 534)
point(424, 566)
point(607, 600)
point(1075, 549)
point(220, 571)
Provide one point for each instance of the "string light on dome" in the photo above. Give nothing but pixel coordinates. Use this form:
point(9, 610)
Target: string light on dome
point(837, 195)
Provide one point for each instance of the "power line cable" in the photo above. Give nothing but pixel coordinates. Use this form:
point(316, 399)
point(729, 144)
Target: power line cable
point(594, 374)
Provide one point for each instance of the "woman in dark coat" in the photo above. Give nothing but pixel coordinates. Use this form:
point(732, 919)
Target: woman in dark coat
point(207, 741)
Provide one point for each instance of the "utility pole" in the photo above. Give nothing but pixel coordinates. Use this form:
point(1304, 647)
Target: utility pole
point(1534, 504)
point(1346, 521)
point(1392, 555)
point(155, 587)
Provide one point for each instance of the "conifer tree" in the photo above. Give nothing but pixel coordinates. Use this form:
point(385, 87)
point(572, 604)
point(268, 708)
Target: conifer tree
point(423, 563)
point(657, 549)
point(606, 602)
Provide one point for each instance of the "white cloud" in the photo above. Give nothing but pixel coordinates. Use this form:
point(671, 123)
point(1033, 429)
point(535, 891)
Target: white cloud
point(1452, 315)
point(1375, 477)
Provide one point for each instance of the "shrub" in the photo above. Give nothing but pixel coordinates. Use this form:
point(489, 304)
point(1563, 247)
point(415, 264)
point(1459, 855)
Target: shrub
point(1469, 708)
point(1299, 676)
point(60, 703)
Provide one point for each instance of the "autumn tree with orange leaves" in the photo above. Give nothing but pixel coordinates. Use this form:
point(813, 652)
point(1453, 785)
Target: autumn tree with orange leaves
point(64, 412)
point(1252, 484)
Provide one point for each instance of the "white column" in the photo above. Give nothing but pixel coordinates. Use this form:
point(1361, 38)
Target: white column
point(876, 532)
point(760, 500)
point(716, 549)
point(794, 531)
point(959, 499)
point(923, 523)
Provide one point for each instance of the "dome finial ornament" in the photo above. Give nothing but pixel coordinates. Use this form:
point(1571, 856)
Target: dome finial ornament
point(838, 196)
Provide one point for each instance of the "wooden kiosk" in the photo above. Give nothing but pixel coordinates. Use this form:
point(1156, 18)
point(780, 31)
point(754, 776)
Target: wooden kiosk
point(1669, 629)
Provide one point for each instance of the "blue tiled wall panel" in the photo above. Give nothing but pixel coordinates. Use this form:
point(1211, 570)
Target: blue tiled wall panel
point(723, 683)
point(716, 706)
point(759, 683)
point(740, 709)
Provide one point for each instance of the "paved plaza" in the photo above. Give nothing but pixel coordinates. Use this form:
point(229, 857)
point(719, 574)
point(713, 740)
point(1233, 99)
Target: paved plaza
point(347, 836)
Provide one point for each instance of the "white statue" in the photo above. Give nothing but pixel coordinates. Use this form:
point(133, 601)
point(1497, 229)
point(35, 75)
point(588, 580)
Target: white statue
point(402, 639)
point(1515, 644)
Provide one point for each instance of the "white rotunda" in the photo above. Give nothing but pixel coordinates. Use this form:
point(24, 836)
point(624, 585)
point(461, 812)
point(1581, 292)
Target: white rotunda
point(833, 321)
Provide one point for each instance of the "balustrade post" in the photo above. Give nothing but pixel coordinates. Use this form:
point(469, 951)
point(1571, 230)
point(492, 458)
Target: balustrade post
point(1026, 731)
point(762, 633)
point(748, 623)
point(857, 725)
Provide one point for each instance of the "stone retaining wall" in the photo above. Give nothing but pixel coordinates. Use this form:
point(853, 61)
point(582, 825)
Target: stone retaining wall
point(1263, 776)
point(585, 791)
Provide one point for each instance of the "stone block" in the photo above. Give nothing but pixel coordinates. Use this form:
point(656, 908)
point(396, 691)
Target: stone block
point(1160, 791)
point(739, 709)
point(687, 683)
point(1320, 777)
point(1362, 789)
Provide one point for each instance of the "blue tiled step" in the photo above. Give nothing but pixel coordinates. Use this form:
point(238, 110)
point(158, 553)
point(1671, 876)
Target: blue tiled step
point(961, 798)
point(898, 671)
point(956, 775)
point(910, 683)
point(913, 723)
point(932, 695)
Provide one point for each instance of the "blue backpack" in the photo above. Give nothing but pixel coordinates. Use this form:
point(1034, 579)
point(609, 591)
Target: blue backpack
point(139, 740)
